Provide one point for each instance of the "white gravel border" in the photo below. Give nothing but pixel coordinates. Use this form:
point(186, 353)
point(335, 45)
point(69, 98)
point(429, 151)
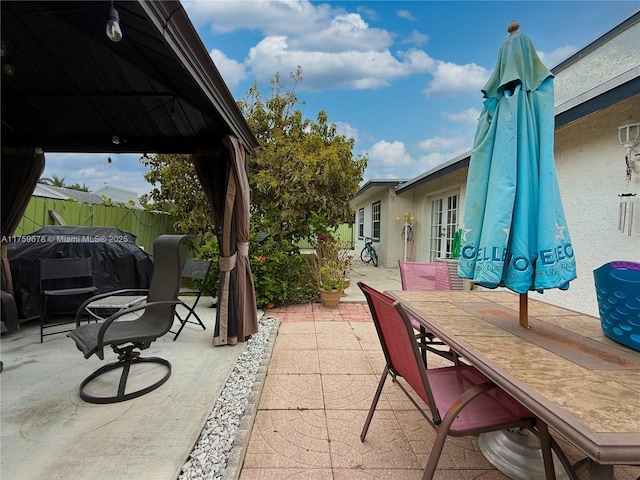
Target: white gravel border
point(219, 452)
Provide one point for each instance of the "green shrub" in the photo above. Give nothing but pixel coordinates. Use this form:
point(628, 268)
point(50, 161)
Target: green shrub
point(280, 272)
point(211, 251)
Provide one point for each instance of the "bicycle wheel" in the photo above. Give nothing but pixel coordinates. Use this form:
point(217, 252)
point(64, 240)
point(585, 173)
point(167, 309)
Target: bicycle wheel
point(374, 257)
point(365, 256)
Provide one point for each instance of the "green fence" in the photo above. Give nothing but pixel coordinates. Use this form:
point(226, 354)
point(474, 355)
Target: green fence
point(343, 233)
point(144, 225)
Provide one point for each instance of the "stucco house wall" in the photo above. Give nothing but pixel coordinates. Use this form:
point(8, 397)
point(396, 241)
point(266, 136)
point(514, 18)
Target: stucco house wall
point(616, 57)
point(591, 174)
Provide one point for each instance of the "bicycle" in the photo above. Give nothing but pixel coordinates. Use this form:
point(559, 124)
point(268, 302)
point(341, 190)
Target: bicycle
point(368, 253)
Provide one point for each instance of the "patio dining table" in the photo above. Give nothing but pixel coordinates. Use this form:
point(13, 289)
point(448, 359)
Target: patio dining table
point(563, 368)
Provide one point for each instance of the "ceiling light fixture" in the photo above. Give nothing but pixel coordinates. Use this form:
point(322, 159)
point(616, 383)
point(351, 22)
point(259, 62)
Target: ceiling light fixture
point(113, 25)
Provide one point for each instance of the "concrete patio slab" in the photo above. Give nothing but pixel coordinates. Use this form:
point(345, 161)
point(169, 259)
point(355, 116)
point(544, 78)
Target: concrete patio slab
point(48, 432)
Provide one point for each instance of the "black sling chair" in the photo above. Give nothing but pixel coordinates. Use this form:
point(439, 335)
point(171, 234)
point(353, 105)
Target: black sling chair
point(129, 335)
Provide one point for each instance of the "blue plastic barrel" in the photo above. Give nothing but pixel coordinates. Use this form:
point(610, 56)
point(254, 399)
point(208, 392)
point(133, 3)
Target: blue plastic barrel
point(618, 293)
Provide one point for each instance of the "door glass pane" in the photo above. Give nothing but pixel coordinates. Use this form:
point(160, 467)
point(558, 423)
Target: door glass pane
point(444, 223)
point(436, 225)
point(452, 223)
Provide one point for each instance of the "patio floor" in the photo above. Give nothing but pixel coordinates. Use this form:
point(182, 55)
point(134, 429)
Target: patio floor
point(48, 432)
point(322, 374)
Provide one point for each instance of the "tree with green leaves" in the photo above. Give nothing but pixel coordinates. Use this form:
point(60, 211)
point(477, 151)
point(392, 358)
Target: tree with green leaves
point(78, 187)
point(177, 190)
point(303, 173)
point(56, 181)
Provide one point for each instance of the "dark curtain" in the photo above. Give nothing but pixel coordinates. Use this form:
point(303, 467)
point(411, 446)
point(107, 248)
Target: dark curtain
point(21, 170)
point(245, 292)
point(224, 179)
point(214, 169)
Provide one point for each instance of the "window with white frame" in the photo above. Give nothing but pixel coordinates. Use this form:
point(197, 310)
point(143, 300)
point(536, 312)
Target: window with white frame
point(361, 223)
point(375, 221)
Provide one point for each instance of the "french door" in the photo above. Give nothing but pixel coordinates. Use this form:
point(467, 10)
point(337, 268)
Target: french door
point(444, 223)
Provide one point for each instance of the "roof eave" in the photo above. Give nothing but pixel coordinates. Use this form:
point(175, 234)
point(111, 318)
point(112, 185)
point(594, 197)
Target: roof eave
point(452, 165)
point(370, 184)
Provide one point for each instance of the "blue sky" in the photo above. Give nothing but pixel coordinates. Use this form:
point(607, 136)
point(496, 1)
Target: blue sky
point(401, 77)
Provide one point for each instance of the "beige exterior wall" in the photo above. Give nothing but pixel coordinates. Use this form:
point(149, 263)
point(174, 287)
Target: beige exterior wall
point(390, 204)
point(591, 173)
point(610, 60)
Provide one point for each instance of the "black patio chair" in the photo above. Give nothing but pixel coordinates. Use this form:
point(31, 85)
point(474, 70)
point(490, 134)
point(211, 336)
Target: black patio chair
point(195, 272)
point(64, 282)
point(128, 335)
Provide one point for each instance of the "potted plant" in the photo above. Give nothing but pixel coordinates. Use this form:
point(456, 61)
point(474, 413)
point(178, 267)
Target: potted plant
point(347, 261)
point(329, 271)
point(330, 284)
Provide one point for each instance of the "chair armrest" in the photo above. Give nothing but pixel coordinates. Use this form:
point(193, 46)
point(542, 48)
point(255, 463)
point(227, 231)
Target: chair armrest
point(125, 291)
point(112, 318)
point(462, 402)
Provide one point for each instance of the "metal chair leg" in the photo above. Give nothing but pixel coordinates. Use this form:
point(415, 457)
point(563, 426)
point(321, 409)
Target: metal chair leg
point(374, 403)
point(545, 446)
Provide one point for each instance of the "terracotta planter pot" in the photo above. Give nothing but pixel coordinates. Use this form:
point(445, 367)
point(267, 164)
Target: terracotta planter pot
point(330, 298)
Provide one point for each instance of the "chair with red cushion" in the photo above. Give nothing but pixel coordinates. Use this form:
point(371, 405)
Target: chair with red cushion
point(424, 275)
point(460, 400)
point(427, 276)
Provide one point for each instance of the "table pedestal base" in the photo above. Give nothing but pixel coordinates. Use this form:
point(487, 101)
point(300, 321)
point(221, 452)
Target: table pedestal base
point(516, 453)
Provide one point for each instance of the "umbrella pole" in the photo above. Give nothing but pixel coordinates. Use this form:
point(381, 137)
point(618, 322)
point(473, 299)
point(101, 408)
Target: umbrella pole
point(524, 311)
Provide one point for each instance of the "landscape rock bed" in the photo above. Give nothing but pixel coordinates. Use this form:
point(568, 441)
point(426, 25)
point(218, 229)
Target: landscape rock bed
point(219, 452)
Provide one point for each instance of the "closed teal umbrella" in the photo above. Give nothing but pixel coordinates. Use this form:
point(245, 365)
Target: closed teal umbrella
point(514, 232)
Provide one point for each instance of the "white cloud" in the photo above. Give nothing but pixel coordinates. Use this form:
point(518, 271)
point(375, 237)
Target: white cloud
point(269, 16)
point(552, 59)
point(370, 13)
point(336, 49)
point(347, 69)
point(438, 144)
point(406, 14)
point(432, 160)
point(470, 116)
point(347, 130)
point(232, 71)
point(344, 33)
point(416, 38)
point(385, 154)
point(450, 79)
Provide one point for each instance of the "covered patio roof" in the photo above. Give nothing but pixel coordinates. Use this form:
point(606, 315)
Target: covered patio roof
point(66, 87)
